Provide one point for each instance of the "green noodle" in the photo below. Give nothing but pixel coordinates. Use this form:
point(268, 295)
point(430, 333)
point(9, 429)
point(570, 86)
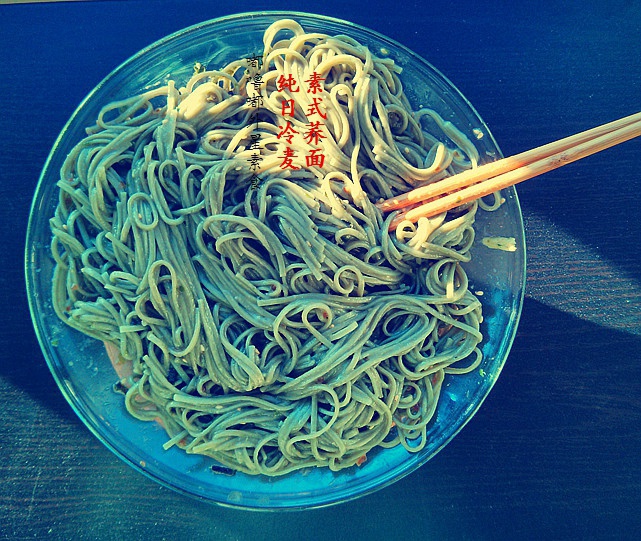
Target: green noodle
point(276, 327)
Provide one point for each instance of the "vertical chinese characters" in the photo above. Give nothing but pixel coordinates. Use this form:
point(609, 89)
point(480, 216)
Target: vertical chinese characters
point(255, 100)
point(288, 111)
point(312, 135)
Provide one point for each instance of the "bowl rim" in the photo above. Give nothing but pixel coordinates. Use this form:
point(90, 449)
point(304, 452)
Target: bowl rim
point(30, 277)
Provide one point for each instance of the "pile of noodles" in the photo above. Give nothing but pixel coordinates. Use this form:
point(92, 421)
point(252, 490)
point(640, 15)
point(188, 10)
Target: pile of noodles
point(276, 325)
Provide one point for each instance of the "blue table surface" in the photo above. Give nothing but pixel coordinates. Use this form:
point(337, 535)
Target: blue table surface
point(553, 453)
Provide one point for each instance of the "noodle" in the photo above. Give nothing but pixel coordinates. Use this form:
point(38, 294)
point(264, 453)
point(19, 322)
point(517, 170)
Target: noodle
point(274, 326)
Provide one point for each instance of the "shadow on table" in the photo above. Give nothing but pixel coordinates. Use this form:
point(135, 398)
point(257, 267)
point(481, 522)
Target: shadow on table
point(24, 366)
point(552, 453)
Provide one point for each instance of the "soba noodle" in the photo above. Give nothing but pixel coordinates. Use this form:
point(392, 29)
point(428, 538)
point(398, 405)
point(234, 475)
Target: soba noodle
point(272, 325)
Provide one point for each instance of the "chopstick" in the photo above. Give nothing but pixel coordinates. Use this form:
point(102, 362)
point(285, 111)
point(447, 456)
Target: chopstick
point(492, 177)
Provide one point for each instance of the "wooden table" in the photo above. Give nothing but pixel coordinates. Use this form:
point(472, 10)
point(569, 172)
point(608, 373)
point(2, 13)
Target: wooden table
point(554, 452)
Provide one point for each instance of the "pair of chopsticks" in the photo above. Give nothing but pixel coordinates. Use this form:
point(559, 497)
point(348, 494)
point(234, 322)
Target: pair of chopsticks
point(451, 192)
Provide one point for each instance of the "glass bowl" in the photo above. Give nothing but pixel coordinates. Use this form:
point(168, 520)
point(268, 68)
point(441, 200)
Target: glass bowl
point(82, 369)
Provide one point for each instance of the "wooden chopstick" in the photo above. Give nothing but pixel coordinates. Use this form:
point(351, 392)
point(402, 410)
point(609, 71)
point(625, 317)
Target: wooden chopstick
point(492, 177)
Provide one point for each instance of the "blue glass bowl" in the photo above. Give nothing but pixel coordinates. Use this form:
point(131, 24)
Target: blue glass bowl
point(82, 369)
